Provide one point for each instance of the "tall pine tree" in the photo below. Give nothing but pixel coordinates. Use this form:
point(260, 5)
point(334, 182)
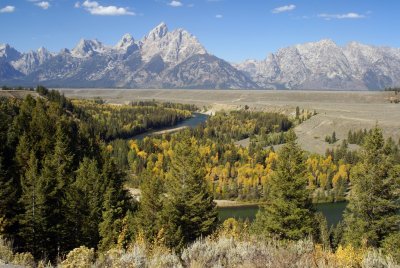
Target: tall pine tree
point(189, 210)
point(289, 213)
point(32, 220)
point(372, 212)
point(85, 200)
point(150, 206)
point(116, 203)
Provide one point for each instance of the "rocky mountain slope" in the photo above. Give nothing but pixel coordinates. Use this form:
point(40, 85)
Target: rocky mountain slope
point(161, 59)
point(176, 59)
point(325, 65)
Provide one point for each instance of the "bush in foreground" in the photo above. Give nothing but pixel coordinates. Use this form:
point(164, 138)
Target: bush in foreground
point(216, 251)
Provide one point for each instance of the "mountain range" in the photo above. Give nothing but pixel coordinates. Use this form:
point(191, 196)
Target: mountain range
point(176, 59)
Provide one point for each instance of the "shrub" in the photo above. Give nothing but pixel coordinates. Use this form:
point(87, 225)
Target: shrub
point(6, 254)
point(252, 252)
point(79, 257)
point(375, 259)
point(24, 259)
point(391, 246)
point(231, 228)
point(349, 256)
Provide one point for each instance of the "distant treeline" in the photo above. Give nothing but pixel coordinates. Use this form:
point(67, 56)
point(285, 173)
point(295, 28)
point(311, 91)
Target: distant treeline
point(395, 89)
point(17, 88)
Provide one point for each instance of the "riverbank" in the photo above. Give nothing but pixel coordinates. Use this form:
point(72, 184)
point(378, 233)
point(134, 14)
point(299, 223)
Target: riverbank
point(196, 119)
point(333, 212)
point(222, 203)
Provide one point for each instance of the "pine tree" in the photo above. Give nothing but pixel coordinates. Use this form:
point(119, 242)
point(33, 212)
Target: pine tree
point(32, 219)
point(9, 181)
point(150, 207)
point(189, 210)
point(289, 213)
point(51, 187)
point(372, 212)
point(85, 200)
point(115, 206)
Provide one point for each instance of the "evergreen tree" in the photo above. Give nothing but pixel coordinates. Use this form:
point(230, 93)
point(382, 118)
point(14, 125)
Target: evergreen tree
point(85, 200)
point(116, 204)
point(189, 210)
point(372, 212)
point(150, 207)
point(9, 180)
point(32, 219)
point(289, 213)
point(49, 202)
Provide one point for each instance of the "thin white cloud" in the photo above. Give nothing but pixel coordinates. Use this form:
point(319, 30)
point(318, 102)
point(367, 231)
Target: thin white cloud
point(77, 5)
point(351, 15)
point(219, 16)
point(175, 3)
point(44, 5)
point(7, 9)
point(95, 8)
point(283, 9)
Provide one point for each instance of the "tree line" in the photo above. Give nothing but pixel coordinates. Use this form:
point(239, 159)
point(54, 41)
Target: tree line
point(125, 121)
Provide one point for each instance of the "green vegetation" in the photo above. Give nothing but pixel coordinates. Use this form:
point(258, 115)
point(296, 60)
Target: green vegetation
point(230, 171)
point(125, 121)
point(357, 137)
point(288, 213)
point(331, 139)
point(64, 173)
point(372, 214)
point(45, 150)
point(394, 89)
point(240, 173)
point(60, 185)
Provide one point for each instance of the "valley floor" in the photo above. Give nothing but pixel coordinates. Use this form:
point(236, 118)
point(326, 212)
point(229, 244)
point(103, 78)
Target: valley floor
point(338, 111)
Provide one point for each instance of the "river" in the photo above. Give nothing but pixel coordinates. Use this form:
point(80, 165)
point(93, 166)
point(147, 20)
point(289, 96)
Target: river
point(332, 211)
point(192, 122)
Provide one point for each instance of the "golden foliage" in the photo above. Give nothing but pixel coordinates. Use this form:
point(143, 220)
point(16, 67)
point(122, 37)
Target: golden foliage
point(349, 256)
point(79, 257)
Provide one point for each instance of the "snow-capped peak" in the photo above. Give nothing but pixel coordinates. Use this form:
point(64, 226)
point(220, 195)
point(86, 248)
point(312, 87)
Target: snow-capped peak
point(158, 32)
point(173, 47)
point(126, 42)
point(87, 48)
point(8, 53)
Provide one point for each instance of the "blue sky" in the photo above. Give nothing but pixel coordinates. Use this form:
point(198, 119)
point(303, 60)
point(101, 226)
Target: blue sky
point(231, 29)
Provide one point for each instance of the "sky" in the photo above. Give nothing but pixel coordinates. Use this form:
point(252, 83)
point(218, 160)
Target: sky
point(234, 30)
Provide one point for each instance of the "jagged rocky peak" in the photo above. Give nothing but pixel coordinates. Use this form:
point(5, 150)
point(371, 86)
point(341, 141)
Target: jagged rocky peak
point(8, 53)
point(173, 47)
point(158, 32)
point(88, 48)
point(64, 51)
point(42, 52)
point(126, 42)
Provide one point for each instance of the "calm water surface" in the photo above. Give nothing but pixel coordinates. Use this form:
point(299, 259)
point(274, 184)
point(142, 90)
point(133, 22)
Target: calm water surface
point(192, 122)
point(332, 211)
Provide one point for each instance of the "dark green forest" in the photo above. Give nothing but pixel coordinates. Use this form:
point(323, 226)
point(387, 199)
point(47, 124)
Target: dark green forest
point(60, 186)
